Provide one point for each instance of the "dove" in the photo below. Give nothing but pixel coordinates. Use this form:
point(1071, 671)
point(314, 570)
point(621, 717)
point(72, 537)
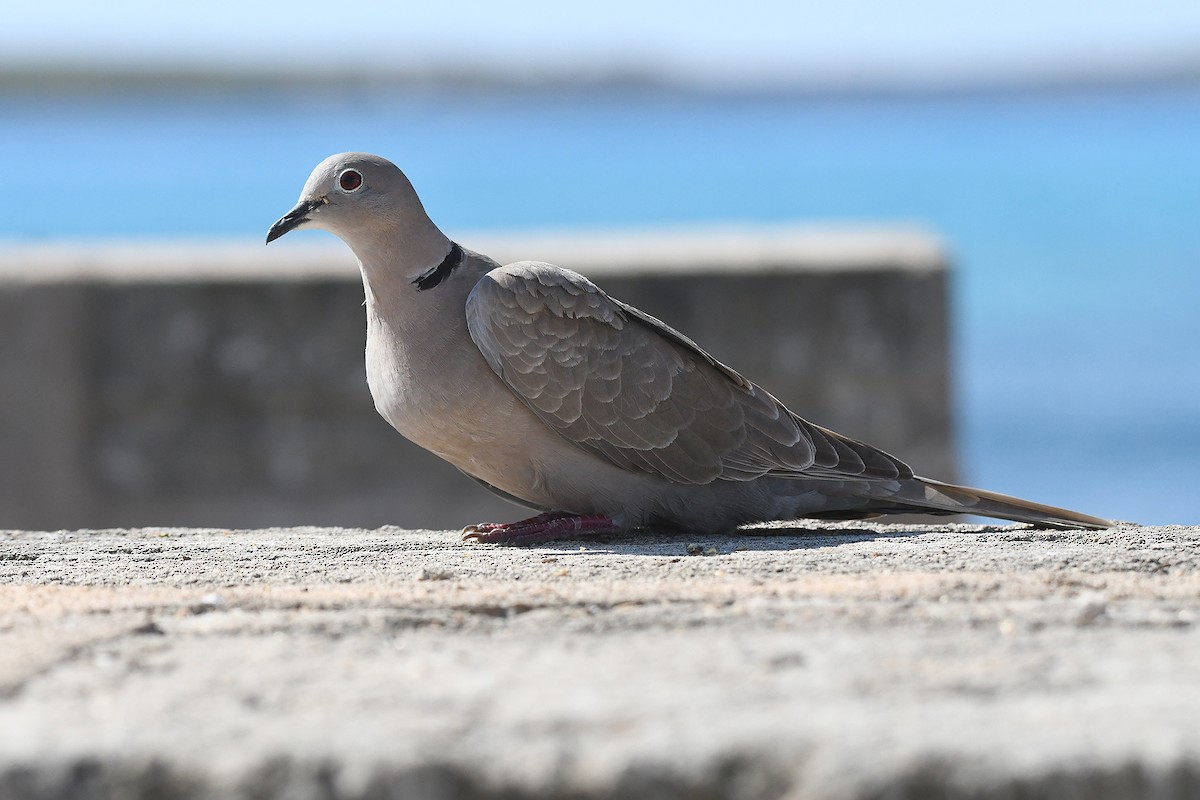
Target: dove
point(535, 383)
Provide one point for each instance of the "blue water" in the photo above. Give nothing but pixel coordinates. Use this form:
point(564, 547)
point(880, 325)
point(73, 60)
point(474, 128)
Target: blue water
point(1074, 220)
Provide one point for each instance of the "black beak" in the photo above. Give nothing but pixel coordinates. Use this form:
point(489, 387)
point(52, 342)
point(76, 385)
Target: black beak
point(293, 219)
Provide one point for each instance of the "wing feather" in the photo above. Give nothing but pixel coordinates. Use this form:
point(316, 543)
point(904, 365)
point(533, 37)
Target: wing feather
point(622, 385)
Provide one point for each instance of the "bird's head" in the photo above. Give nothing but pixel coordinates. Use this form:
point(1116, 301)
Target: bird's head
point(356, 196)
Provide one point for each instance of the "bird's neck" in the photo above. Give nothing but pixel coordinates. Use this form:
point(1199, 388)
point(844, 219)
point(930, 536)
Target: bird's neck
point(393, 261)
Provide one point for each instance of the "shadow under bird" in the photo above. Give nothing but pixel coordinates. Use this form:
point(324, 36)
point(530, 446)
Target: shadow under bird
point(534, 382)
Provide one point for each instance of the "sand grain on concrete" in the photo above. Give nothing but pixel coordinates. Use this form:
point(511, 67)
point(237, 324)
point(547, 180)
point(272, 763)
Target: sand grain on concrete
point(844, 661)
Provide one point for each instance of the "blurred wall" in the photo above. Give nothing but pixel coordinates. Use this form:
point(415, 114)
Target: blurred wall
point(224, 386)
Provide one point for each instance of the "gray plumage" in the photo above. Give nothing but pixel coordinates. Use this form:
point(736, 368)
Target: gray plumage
point(533, 381)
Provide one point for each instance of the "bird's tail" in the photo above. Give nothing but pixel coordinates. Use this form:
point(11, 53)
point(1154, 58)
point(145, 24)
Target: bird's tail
point(933, 496)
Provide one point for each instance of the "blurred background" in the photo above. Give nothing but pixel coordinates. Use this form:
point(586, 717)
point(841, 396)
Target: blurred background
point(1053, 145)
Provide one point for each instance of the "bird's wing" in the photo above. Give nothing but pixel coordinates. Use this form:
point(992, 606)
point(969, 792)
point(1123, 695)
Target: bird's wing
point(624, 386)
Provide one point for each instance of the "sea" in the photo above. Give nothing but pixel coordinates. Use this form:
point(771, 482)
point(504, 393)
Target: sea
point(1072, 217)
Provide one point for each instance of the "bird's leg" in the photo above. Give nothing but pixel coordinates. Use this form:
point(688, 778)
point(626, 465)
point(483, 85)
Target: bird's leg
point(542, 528)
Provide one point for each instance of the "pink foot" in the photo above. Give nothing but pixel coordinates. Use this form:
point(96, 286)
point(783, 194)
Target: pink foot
point(542, 528)
point(488, 527)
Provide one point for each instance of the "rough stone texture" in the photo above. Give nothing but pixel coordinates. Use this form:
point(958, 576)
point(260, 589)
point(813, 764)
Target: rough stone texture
point(223, 385)
point(851, 661)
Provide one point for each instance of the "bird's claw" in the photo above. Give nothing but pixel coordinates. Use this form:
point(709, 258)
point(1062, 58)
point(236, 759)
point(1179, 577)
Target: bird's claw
point(480, 527)
point(543, 527)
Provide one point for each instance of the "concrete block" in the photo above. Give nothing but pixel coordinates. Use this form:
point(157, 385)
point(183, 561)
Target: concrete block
point(223, 384)
point(850, 662)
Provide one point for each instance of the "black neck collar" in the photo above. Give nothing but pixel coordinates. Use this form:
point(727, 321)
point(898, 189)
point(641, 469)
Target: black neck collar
point(431, 278)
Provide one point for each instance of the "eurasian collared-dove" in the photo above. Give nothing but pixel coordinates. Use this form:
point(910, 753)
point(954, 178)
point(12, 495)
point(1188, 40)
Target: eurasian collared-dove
point(552, 394)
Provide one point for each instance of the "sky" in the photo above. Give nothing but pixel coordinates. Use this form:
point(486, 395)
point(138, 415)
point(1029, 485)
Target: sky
point(750, 41)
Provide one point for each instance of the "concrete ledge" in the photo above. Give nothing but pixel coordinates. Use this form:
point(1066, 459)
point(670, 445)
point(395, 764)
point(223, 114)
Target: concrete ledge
point(851, 661)
point(222, 384)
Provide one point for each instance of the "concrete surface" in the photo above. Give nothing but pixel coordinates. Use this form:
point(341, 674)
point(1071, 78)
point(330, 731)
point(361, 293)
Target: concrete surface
point(848, 661)
point(223, 384)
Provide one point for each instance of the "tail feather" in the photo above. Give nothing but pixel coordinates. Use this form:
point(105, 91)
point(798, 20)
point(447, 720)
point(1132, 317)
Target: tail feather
point(935, 496)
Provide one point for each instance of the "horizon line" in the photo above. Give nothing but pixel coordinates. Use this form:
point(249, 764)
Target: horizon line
point(71, 78)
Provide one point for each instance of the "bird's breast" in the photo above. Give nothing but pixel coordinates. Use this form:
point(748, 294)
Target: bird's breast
point(442, 395)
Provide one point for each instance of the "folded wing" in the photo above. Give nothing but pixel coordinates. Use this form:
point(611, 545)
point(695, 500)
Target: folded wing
point(628, 388)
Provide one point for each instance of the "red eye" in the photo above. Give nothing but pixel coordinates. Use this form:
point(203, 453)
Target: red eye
point(349, 180)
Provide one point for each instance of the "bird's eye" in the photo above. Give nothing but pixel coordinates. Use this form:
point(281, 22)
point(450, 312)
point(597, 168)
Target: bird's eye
point(350, 180)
